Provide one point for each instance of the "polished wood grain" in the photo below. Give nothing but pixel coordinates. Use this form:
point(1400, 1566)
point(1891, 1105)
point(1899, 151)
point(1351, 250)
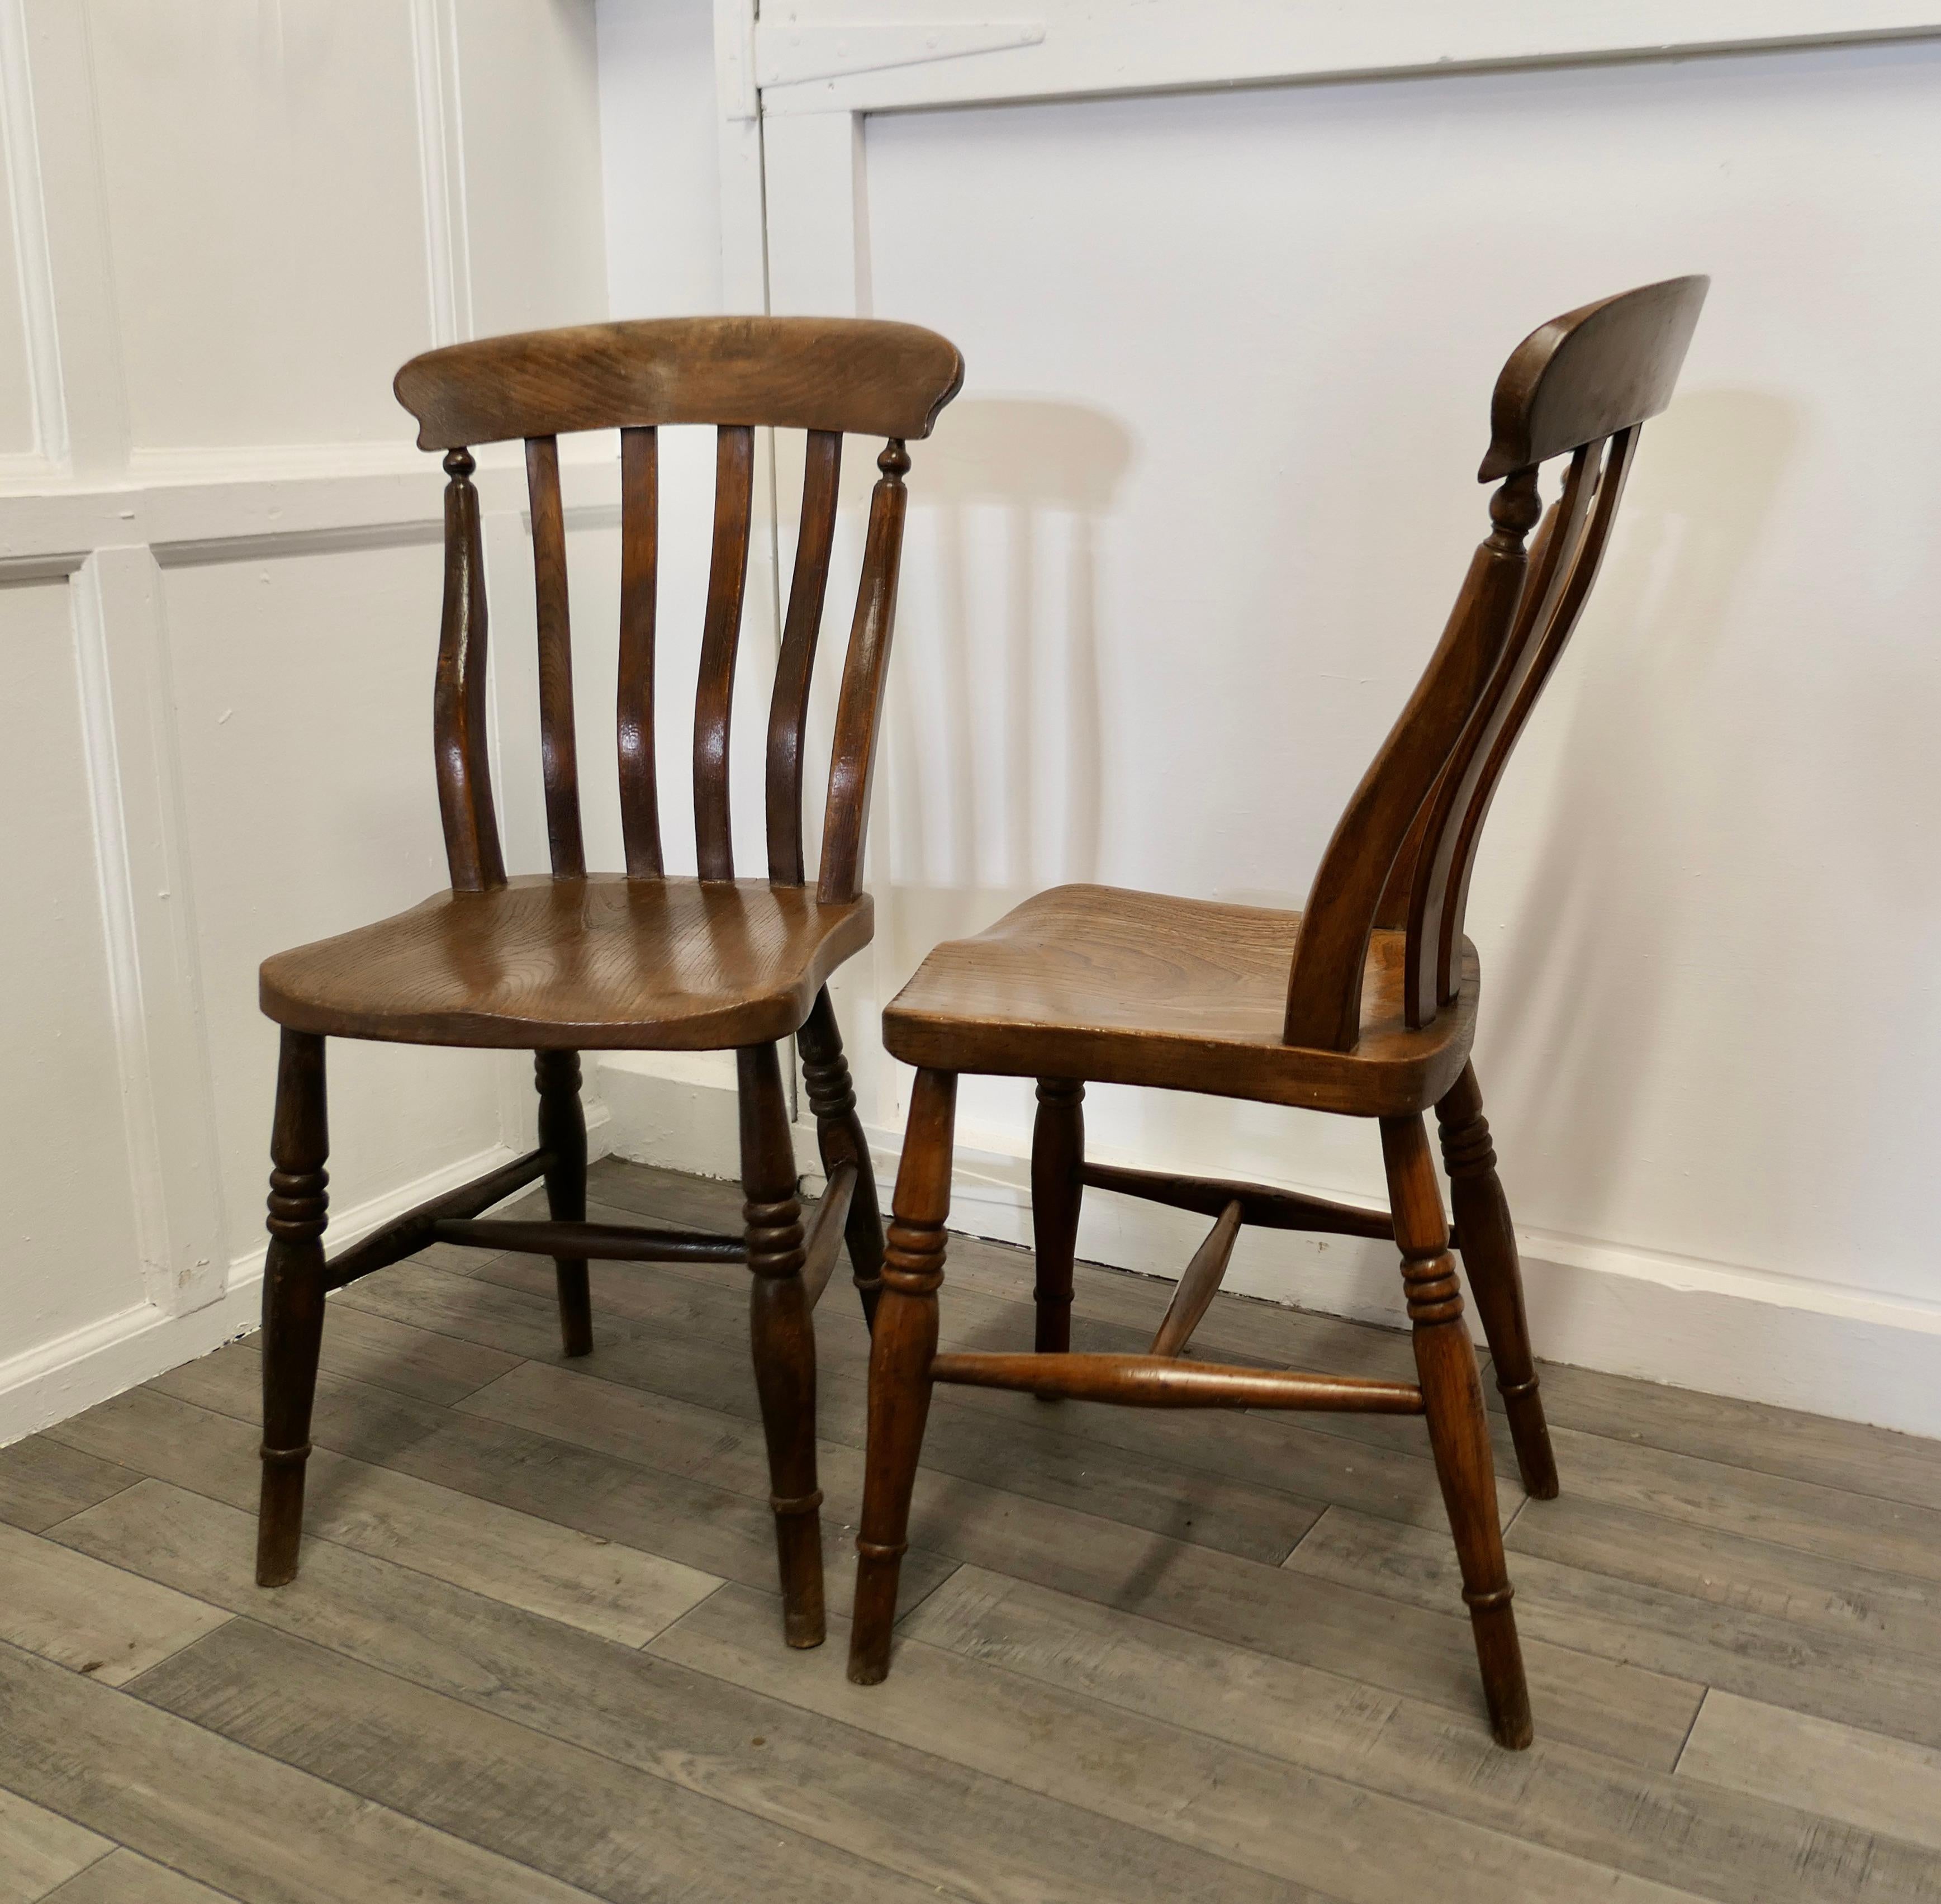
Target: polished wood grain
point(1363, 1004)
point(720, 638)
point(845, 819)
point(1261, 1206)
point(795, 665)
point(902, 1350)
point(784, 1340)
point(855, 374)
point(460, 732)
point(640, 574)
point(1124, 988)
point(592, 1242)
point(1200, 1283)
point(1590, 373)
point(1489, 1248)
point(582, 960)
point(601, 963)
point(293, 1292)
point(823, 1241)
point(844, 1146)
point(1458, 1428)
point(1160, 1380)
point(559, 756)
point(563, 1138)
point(1058, 1187)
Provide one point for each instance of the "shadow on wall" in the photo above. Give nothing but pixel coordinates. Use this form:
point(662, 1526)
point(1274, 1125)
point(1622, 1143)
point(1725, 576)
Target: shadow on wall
point(1581, 1006)
point(997, 722)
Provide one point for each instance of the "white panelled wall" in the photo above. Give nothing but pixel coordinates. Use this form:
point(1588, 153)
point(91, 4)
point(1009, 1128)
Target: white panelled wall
point(219, 584)
point(1180, 548)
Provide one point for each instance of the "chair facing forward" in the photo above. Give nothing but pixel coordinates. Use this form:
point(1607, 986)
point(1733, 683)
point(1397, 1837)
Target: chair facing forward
point(644, 961)
point(1363, 1005)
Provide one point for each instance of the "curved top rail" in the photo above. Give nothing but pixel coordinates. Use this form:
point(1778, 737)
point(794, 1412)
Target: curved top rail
point(852, 374)
point(1590, 373)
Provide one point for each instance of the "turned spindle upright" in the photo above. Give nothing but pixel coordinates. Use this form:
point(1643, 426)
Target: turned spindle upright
point(1363, 1005)
point(572, 961)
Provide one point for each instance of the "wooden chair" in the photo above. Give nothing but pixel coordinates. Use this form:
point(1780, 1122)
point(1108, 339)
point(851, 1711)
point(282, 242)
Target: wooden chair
point(1363, 1005)
point(645, 961)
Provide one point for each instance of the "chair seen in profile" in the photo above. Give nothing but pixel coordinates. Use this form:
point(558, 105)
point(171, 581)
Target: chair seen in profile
point(1363, 1004)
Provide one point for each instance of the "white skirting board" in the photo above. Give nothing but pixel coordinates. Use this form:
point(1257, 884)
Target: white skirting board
point(56, 1379)
point(1713, 1327)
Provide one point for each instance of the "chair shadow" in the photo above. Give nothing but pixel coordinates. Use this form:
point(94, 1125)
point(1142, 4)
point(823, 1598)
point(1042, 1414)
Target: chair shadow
point(1048, 473)
point(1594, 924)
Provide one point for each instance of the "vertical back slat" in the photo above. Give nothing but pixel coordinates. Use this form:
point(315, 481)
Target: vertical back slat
point(640, 561)
point(721, 633)
point(557, 753)
point(1566, 606)
point(1550, 562)
point(845, 821)
point(458, 700)
point(795, 668)
point(1323, 1001)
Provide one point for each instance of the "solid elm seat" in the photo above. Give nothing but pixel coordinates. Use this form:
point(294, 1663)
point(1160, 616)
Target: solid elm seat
point(1124, 987)
point(1363, 1004)
point(602, 963)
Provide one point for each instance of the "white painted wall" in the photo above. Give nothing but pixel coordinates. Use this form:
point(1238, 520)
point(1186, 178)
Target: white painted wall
point(1179, 550)
point(219, 582)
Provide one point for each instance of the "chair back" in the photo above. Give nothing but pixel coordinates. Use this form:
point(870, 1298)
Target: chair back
point(827, 376)
point(1400, 856)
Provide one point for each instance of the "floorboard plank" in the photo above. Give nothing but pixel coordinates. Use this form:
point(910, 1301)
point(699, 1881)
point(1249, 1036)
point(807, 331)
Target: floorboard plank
point(963, 1831)
point(1732, 1647)
point(95, 1620)
point(1746, 1849)
point(41, 1481)
point(1877, 1784)
point(123, 1878)
point(1750, 1434)
point(38, 1849)
point(1733, 1572)
point(225, 1815)
point(581, 1818)
point(587, 1580)
point(1308, 1828)
point(1816, 1519)
point(435, 1368)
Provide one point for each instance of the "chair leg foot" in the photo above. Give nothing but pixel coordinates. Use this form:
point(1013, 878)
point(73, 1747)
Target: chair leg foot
point(563, 1136)
point(782, 1336)
point(900, 1354)
point(1496, 1276)
point(839, 1138)
point(1058, 1155)
point(1459, 1430)
point(292, 1300)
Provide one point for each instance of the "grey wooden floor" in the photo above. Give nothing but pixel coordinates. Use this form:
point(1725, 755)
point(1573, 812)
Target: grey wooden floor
point(534, 1651)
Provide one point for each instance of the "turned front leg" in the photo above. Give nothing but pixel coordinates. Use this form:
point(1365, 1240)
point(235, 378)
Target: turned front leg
point(562, 1137)
point(783, 1338)
point(1459, 1428)
point(900, 1353)
point(292, 1299)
